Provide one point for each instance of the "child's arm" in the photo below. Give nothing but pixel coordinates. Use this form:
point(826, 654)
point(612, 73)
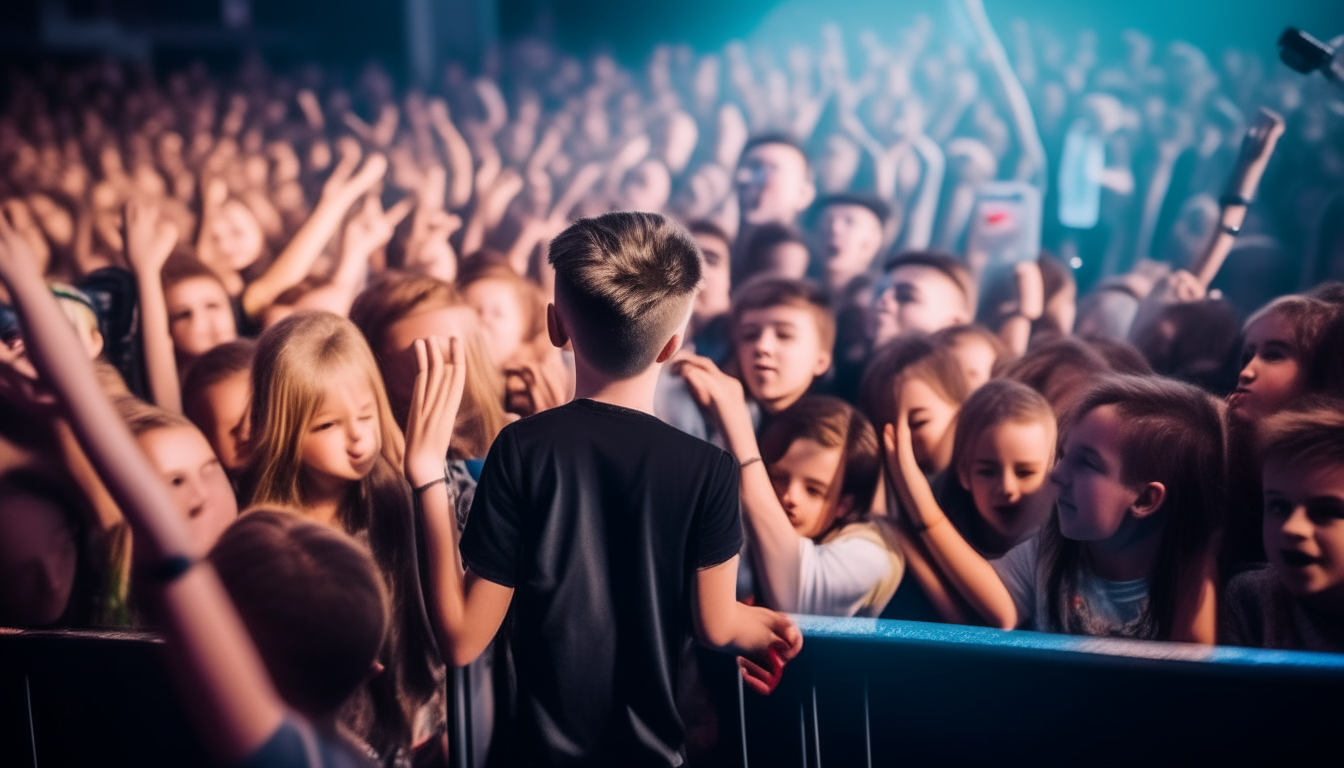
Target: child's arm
point(772, 533)
point(918, 565)
point(1197, 609)
point(149, 241)
point(971, 574)
point(467, 609)
point(219, 674)
point(765, 640)
point(294, 262)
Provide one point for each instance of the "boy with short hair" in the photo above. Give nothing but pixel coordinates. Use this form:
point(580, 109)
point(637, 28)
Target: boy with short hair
point(783, 334)
point(925, 291)
point(607, 530)
point(1297, 603)
point(774, 182)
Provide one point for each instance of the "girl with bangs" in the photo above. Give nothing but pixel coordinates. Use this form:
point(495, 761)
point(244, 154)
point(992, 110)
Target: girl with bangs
point(323, 440)
point(1130, 550)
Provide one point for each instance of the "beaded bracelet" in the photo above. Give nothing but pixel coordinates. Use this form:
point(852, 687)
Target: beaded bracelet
point(168, 570)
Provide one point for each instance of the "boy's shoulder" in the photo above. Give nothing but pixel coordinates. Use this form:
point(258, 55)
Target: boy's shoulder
point(584, 420)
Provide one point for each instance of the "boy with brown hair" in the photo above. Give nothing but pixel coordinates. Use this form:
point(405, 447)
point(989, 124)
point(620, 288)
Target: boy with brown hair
point(609, 532)
point(783, 334)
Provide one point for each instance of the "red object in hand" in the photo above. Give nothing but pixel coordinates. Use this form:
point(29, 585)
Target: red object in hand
point(759, 679)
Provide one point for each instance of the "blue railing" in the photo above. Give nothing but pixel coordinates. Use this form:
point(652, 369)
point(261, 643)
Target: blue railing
point(864, 692)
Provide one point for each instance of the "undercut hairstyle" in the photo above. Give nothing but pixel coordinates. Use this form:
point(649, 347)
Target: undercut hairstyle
point(999, 401)
point(1310, 434)
point(313, 601)
point(626, 281)
point(767, 292)
point(910, 355)
point(1170, 433)
point(951, 266)
point(831, 423)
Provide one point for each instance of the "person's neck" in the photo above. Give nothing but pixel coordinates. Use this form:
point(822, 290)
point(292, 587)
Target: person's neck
point(635, 392)
point(1129, 554)
point(323, 500)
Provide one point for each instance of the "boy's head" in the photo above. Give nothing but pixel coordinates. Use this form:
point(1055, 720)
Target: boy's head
point(783, 333)
point(924, 291)
point(774, 180)
point(313, 601)
point(1303, 453)
point(624, 286)
point(849, 232)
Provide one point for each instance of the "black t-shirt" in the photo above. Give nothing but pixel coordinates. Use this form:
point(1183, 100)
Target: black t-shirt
point(599, 516)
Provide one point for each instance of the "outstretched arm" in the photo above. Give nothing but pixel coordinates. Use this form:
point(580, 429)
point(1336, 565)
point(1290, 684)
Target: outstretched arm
point(774, 537)
point(218, 672)
point(972, 575)
point(763, 640)
point(467, 609)
point(149, 241)
point(293, 264)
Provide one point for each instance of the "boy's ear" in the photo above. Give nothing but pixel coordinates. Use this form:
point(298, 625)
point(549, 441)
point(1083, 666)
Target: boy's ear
point(671, 348)
point(823, 363)
point(1150, 500)
point(555, 327)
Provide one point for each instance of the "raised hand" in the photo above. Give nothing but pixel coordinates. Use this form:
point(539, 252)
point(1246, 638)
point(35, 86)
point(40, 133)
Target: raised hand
point(372, 227)
point(150, 238)
point(439, 382)
point(1030, 290)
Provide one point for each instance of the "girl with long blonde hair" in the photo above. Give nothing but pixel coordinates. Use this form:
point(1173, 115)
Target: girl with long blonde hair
point(323, 440)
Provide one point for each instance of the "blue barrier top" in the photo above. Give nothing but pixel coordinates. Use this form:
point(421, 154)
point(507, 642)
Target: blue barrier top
point(893, 631)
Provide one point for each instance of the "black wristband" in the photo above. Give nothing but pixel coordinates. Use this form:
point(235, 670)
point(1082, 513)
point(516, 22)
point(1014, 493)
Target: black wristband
point(168, 570)
point(1231, 199)
point(1229, 229)
point(429, 485)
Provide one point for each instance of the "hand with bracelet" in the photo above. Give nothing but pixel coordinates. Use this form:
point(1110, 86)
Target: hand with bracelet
point(439, 383)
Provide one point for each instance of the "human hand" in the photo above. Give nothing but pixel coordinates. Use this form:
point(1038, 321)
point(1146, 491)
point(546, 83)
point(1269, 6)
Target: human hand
point(21, 214)
point(763, 673)
point(371, 228)
point(439, 383)
point(149, 236)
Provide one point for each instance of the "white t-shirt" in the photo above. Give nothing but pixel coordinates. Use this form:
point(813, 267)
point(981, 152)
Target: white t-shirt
point(1112, 605)
point(853, 573)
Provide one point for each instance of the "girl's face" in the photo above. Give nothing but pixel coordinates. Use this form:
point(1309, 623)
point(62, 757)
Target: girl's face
point(223, 416)
point(343, 439)
point(497, 304)
point(1271, 375)
point(1304, 528)
point(931, 419)
point(1005, 472)
point(802, 479)
point(976, 359)
point(199, 316)
point(196, 478)
point(237, 236)
point(779, 352)
point(1093, 502)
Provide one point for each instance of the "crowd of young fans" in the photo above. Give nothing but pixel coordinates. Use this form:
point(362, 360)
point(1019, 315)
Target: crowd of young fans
point(300, 304)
